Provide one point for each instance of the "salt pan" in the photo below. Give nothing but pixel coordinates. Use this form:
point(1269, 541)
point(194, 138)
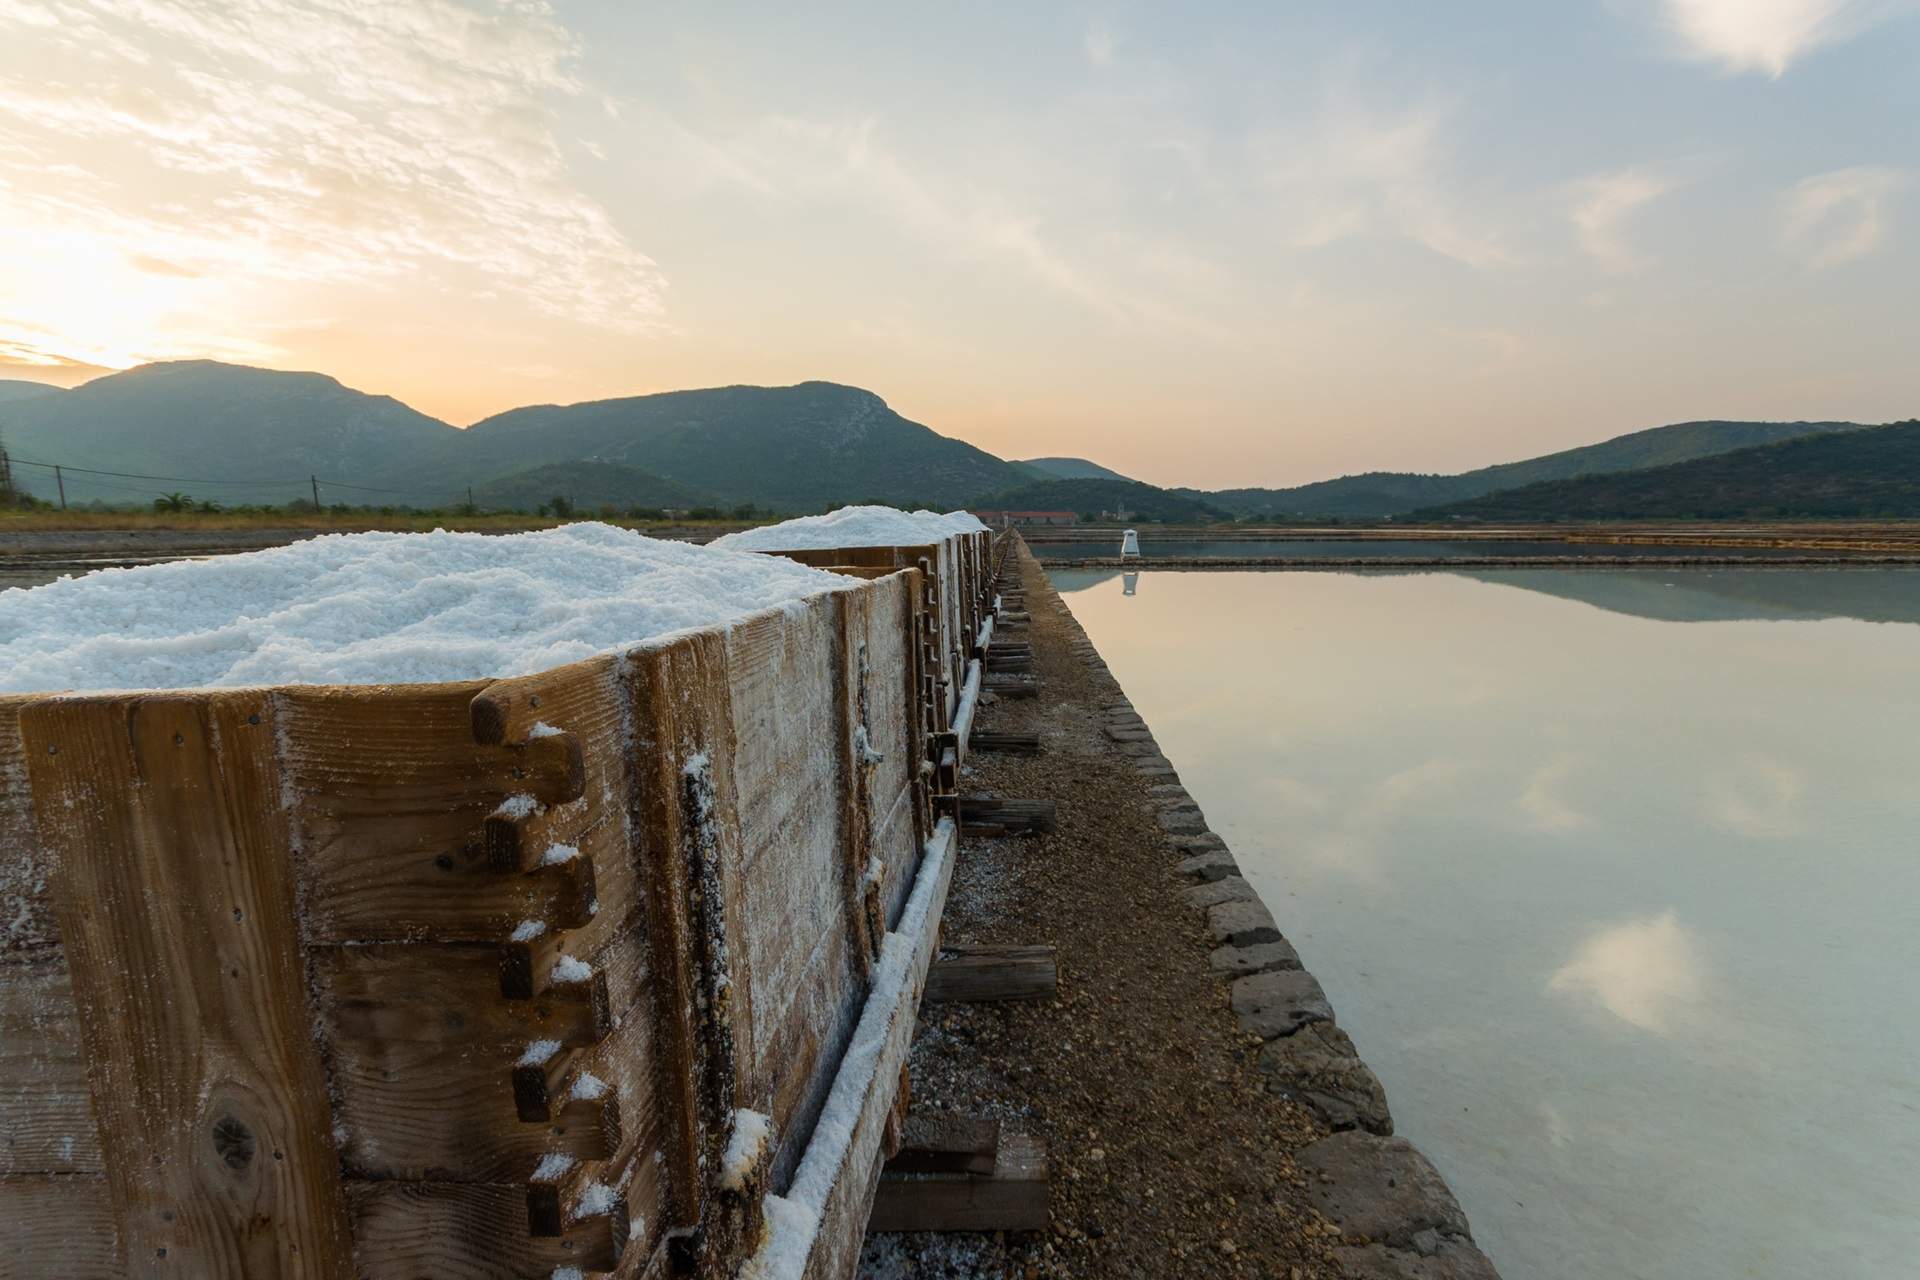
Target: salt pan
point(378, 608)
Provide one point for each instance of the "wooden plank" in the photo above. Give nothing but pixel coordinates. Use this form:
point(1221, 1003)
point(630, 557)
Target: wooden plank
point(61, 1226)
point(1012, 1198)
point(470, 1231)
point(395, 797)
point(837, 1176)
point(423, 1051)
point(26, 889)
point(174, 877)
point(1018, 744)
point(1012, 686)
point(46, 1102)
point(946, 1142)
point(979, 974)
point(994, 815)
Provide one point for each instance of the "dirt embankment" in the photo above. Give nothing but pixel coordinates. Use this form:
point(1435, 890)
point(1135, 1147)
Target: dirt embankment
point(1190, 1126)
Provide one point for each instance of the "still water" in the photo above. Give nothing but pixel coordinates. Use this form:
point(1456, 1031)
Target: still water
point(1153, 547)
point(1612, 875)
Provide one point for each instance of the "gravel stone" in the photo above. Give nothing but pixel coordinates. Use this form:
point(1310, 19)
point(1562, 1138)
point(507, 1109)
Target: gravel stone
point(1319, 1066)
point(1262, 957)
point(1241, 924)
point(1228, 889)
point(1380, 1188)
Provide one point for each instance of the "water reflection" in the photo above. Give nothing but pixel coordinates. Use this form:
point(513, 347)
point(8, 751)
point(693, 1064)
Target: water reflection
point(1620, 910)
point(1644, 971)
point(1129, 584)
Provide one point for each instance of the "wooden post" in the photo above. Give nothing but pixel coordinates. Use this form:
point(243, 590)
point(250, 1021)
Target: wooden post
point(174, 879)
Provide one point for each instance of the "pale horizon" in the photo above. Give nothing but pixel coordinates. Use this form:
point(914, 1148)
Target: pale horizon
point(1221, 249)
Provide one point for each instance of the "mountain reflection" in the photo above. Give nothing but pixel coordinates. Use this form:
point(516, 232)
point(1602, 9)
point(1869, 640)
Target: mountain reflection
point(1726, 595)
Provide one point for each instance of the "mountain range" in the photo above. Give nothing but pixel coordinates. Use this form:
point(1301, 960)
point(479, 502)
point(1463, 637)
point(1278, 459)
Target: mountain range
point(237, 435)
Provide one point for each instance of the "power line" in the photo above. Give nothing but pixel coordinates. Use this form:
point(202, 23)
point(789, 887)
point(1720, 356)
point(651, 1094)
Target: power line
point(274, 483)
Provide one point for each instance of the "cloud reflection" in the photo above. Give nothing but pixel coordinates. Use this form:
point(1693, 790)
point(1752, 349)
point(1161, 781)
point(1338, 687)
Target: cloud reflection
point(1645, 971)
point(1758, 796)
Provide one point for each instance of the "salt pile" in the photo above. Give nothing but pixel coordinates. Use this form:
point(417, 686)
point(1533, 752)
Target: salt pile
point(852, 527)
point(377, 608)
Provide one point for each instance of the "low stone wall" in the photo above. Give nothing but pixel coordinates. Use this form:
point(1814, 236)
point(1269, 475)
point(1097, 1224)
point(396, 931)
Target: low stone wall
point(1399, 1219)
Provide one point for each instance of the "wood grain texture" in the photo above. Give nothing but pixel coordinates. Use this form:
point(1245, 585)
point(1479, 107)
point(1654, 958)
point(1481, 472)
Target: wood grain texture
point(1012, 1198)
point(175, 884)
point(469, 1231)
point(58, 1228)
point(46, 1103)
point(993, 973)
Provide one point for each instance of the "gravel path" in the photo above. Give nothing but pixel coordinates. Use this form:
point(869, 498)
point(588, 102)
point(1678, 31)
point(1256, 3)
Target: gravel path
point(1169, 1154)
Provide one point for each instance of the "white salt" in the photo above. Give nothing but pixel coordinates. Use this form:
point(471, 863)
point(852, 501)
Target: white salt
point(538, 1053)
point(520, 805)
point(588, 1087)
point(568, 969)
point(378, 608)
point(596, 1200)
point(852, 527)
point(553, 1166)
point(558, 853)
point(751, 1130)
point(528, 930)
point(541, 729)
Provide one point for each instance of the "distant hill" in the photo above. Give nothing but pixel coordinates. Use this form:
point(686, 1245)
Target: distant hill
point(201, 418)
point(790, 448)
point(1148, 505)
point(1871, 472)
point(589, 485)
point(19, 389)
point(192, 423)
point(1071, 469)
point(1388, 493)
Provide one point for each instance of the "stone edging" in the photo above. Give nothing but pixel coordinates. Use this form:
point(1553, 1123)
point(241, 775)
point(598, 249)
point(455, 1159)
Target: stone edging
point(1398, 1217)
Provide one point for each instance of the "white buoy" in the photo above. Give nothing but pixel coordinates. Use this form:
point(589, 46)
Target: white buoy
point(1130, 544)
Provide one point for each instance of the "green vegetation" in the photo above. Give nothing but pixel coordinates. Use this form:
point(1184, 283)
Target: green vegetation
point(1069, 469)
point(1872, 473)
point(1377, 494)
point(589, 486)
point(1097, 499)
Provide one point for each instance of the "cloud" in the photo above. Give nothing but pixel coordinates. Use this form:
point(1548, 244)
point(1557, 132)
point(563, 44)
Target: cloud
point(1645, 971)
point(1768, 35)
point(1837, 217)
point(1099, 44)
point(242, 141)
point(1360, 170)
point(1605, 202)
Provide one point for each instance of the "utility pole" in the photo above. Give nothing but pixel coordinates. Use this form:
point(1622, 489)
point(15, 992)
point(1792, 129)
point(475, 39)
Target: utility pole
point(61, 481)
point(315, 482)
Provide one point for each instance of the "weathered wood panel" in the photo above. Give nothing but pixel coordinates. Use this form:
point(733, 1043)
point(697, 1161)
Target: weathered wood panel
point(46, 1104)
point(175, 885)
point(58, 1228)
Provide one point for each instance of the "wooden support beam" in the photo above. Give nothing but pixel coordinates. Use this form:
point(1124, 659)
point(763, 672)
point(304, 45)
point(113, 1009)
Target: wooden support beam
point(1017, 744)
point(943, 1142)
point(1012, 1198)
point(1012, 686)
point(997, 815)
point(966, 975)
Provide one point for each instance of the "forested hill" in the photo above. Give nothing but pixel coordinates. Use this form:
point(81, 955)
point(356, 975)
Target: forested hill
point(1390, 493)
point(1869, 473)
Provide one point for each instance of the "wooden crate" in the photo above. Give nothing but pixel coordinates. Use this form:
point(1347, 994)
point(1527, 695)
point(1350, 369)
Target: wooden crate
point(467, 979)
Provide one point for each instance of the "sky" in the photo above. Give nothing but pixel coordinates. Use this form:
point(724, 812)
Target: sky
point(1206, 244)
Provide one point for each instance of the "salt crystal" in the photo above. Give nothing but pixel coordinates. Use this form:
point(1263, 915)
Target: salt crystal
point(538, 1053)
point(751, 1130)
point(557, 854)
point(553, 1166)
point(568, 969)
point(588, 1087)
point(528, 930)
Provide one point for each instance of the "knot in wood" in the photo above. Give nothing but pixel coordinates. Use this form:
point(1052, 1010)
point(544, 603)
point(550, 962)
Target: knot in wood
point(234, 1142)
